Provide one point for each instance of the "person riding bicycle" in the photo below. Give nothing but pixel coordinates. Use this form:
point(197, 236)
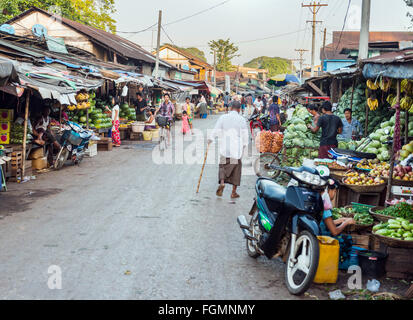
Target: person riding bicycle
point(167, 109)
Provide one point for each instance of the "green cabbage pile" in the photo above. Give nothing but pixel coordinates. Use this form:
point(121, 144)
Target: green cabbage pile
point(299, 141)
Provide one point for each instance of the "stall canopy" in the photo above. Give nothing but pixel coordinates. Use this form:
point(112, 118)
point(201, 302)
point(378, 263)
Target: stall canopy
point(282, 80)
point(7, 72)
point(215, 92)
point(396, 65)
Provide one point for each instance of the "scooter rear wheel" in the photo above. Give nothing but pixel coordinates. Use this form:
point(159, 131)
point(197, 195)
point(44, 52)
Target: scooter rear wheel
point(302, 263)
point(256, 232)
point(61, 158)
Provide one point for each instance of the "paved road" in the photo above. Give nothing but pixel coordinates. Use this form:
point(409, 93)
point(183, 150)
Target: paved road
point(122, 227)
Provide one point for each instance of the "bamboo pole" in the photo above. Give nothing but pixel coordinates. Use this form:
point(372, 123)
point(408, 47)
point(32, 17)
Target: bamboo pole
point(26, 118)
point(352, 94)
point(203, 167)
point(393, 155)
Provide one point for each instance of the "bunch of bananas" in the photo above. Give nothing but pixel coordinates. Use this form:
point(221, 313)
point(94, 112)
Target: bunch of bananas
point(372, 85)
point(392, 99)
point(72, 108)
point(385, 84)
point(406, 103)
point(373, 104)
point(82, 97)
point(407, 87)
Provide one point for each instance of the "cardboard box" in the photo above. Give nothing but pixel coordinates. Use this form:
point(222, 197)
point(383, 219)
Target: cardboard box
point(39, 164)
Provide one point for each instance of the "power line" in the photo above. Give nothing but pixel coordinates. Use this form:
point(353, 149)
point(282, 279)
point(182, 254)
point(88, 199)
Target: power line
point(271, 37)
point(136, 32)
point(168, 36)
point(344, 24)
point(198, 13)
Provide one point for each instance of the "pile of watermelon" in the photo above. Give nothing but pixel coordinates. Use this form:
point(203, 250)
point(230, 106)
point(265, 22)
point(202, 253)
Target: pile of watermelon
point(126, 112)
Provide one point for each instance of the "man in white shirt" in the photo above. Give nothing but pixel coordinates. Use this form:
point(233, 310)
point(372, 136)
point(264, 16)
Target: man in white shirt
point(258, 104)
point(233, 132)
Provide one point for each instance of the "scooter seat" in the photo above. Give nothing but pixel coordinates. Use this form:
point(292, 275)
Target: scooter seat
point(272, 191)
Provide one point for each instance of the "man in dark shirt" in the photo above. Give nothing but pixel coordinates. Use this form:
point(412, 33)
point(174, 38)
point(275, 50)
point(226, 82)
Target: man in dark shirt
point(141, 106)
point(331, 126)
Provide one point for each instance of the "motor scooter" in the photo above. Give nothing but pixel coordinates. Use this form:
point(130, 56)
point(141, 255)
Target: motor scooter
point(74, 142)
point(259, 122)
point(285, 223)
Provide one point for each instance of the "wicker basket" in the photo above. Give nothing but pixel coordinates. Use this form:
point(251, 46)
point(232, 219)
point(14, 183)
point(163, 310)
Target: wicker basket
point(365, 189)
point(394, 243)
point(359, 227)
point(382, 217)
point(401, 183)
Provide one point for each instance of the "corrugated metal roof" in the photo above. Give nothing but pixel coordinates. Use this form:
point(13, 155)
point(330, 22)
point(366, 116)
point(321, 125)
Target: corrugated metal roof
point(392, 57)
point(114, 42)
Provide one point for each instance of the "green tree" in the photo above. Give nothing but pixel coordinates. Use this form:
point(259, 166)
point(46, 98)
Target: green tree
point(96, 13)
point(226, 51)
point(273, 65)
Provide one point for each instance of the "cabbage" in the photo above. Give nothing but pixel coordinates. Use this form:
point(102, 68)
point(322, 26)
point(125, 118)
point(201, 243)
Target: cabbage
point(385, 155)
point(301, 127)
point(298, 121)
point(384, 139)
point(371, 150)
point(375, 136)
point(375, 144)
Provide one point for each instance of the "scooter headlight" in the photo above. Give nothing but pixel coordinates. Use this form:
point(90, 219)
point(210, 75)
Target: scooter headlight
point(309, 178)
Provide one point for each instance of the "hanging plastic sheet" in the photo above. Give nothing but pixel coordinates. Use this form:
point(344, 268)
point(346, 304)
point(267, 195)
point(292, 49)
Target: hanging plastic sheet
point(394, 71)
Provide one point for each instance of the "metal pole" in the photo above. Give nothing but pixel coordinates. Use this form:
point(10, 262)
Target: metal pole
point(158, 45)
point(26, 119)
point(313, 42)
point(215, 68)
point(365, 30)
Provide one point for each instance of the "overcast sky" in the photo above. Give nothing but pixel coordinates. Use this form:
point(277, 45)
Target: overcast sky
point(245, 20)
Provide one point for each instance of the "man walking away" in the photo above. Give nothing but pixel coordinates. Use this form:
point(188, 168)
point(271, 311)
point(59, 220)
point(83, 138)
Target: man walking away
point(274, 111)
point(249, 105)
point(331, 126)
point(227, 100)
point(264, 104)
point(243, 104)
point(233, 132)
point(258, 105)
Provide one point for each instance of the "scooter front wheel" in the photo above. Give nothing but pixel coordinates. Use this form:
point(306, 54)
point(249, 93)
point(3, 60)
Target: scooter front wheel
point(302, 263)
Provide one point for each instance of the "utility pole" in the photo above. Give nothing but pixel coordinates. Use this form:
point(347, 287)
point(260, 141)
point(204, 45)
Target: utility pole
point(158, 45)
point(215, 68)
point(324, 45)
point(314, 8)
point(301, 53)
point(365, 30)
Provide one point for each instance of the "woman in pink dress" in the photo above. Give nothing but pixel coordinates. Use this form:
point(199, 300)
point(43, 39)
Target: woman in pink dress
point(185, 123)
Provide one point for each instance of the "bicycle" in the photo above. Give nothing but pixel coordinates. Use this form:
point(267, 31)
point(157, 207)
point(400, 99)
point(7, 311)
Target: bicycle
point(163, 123)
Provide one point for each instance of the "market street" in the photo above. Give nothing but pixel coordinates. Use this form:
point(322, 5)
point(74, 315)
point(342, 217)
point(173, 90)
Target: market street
point(128, 214)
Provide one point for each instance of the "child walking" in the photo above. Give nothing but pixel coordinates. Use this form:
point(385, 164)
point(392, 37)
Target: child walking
point(185, 123)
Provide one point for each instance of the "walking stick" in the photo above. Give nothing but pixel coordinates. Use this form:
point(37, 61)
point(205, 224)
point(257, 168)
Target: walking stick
point(203, 167)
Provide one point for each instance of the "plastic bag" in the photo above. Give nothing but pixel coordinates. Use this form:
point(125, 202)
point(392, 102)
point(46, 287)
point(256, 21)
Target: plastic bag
point(336, 295)
point(373, 285)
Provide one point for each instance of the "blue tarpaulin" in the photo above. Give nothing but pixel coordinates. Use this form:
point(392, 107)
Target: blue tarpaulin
point(394, 71)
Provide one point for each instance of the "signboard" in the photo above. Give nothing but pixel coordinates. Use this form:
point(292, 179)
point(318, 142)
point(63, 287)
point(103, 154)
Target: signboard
point(56, 45)
point(227, 84)
point(178, 75)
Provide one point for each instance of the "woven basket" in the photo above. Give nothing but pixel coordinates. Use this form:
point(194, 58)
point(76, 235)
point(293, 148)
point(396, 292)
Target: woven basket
point(382, 217)
point(394, 243)
point(365, 189)
point(359, 227)
point(401, 183)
